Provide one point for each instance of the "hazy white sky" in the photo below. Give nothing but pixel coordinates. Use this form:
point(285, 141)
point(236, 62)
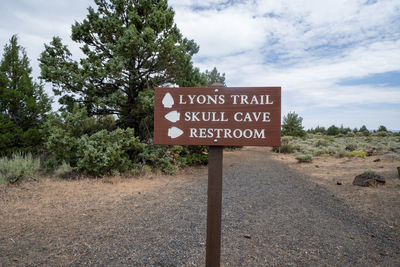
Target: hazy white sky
point(337, 61)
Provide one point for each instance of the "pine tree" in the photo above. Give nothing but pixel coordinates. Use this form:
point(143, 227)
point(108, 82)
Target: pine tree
point(23, 103)
point(292, 125)
point(214, 77)
point(130, 47)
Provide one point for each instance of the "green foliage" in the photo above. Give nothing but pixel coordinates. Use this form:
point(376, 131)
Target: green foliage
point(63, 170)
point(332, 130)
point(319, 129)
point(292, 125)
point(129, 48)
point(317, 145)
point(95, 146)
point(304, 158)
point(285, 148)
point(358, 154)
point(23, 103)
point(161, 157)
point(382, 129)
point(108, 152)
point(370, 171)
point(322, 142)
point(195, 155)
point(213, 77)
point(64, 132)
point(18, 167)
point(364, 130)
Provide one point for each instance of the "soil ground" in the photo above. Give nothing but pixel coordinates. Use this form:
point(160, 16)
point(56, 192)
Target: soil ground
point(275, 212)
point(380, 202)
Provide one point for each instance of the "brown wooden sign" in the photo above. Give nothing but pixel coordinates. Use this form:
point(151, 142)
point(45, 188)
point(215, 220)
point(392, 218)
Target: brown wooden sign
point(218, 116)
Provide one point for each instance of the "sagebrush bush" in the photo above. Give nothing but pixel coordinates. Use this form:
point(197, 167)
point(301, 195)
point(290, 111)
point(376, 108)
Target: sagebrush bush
point(341, 153)
point(304, 158)
point(18, 167)
point(285, 148)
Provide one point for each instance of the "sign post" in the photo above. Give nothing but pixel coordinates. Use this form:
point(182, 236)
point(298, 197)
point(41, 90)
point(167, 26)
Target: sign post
point(217, 116)
point(214, 206)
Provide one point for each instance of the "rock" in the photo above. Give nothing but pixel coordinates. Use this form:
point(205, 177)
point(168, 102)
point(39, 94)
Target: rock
point(338, 183)
point(398, 171)
point(368, 179)
point(377, 160)
point(389, 157)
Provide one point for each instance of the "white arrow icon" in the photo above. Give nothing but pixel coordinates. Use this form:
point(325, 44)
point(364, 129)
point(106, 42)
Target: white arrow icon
point(168, 101)
point(174, 132)
point(173, 116)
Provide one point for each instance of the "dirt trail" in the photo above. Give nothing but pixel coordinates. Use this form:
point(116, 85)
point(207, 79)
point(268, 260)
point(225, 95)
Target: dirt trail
point(271, 215)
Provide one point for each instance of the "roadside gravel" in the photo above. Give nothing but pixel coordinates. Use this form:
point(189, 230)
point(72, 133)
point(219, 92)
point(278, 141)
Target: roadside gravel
point(271, 216)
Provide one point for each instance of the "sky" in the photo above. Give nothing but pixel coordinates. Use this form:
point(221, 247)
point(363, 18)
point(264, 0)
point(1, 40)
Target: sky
point(338, 62)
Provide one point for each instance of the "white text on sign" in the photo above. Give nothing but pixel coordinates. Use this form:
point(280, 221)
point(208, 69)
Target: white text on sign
point(220, 99)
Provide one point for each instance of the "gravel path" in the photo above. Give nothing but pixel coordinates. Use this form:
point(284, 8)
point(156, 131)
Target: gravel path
point(271, 216)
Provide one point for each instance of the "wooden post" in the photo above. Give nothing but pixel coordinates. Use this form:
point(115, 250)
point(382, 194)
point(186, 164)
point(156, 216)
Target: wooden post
point(214, 206)
point(214, 203)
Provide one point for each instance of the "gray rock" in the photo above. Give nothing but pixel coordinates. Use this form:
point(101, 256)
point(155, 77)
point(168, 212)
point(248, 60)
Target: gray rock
point(368, 179)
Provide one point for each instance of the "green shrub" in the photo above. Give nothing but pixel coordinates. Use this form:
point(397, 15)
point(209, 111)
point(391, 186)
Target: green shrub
point(304, 158)
point(163, 158)
point(108, 152)
point(369, 171)
point(288, 148)
point(64, 132)
point(322, 142)
point(195, 155)
point(18, 167)
point(358, 153)
point(332, 130)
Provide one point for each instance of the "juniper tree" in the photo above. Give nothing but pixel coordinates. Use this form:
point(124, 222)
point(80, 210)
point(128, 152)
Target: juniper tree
point(129, 47)
point(292, 125)
point(23, 103)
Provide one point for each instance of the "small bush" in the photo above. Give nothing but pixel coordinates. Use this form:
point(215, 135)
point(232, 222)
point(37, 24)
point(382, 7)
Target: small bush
point(370, 171)
point(286, 149)
point(322, 142)
point(63, 170)
point(341, 153)
point(304, 158)
point(358, 153)
point(18, 167)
